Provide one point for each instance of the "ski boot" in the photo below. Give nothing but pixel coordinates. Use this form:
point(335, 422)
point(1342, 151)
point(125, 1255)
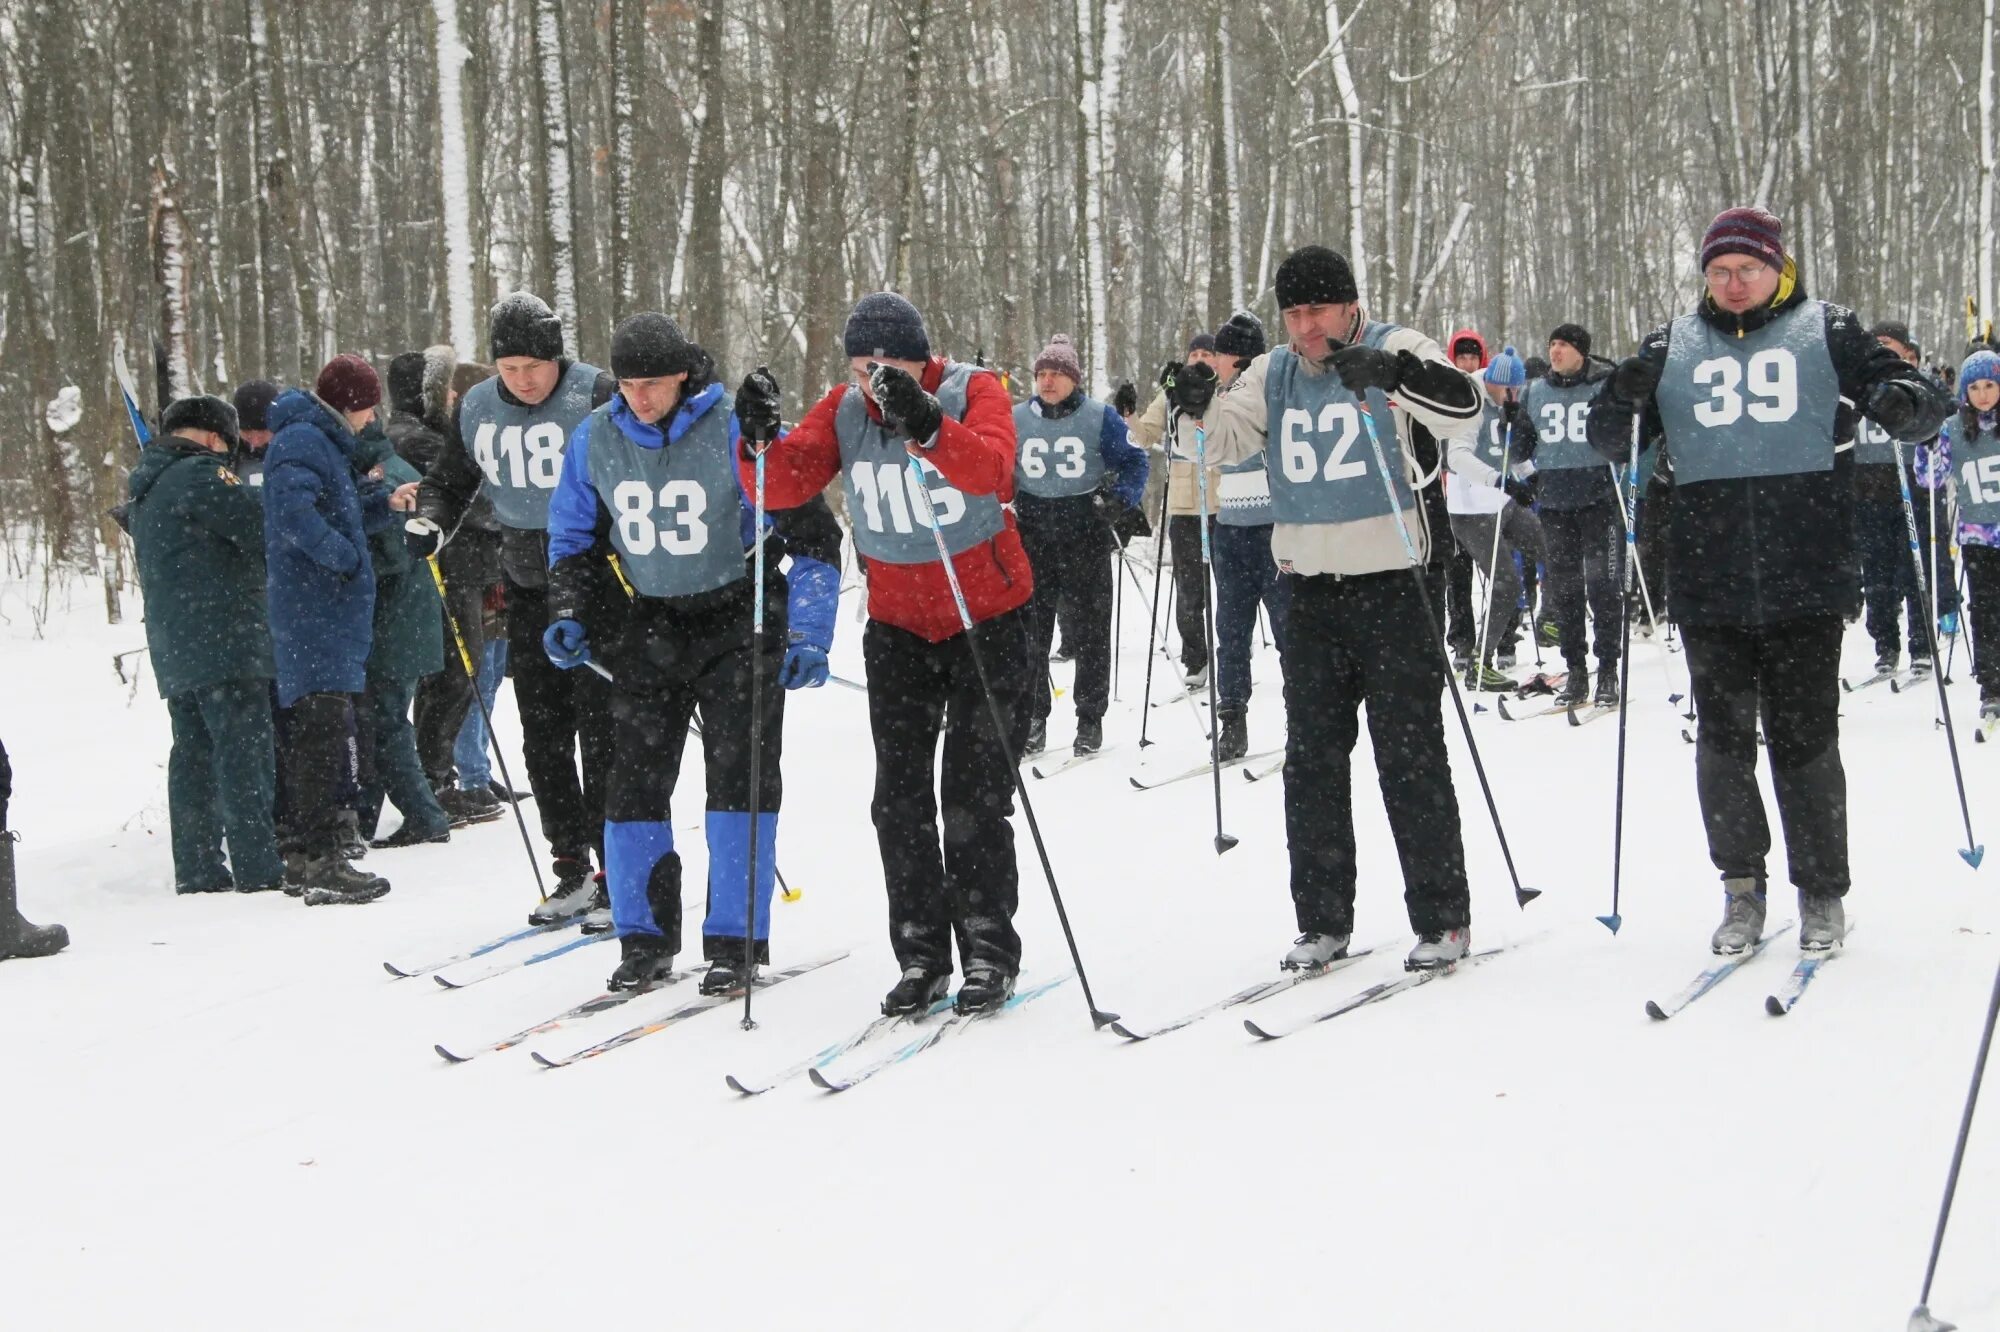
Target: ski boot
point(1742, 918)
point(1461, 660)
point(1989, 705)
point(1196, 679)
point(1607, 687)
point(1886, 660)
point(577, 892)
point(986, 988)
point(1822, 922)
point(1489, 681)
point(327, 879)
point(916, 992)
point(1439, 950)
point(1575, 691)
point(1234, 741)
point(725, 977)
point(1311, 951)
point(17, 937)
point(1504, 658)
point(464, 805)
point(645, 961)
point(1038, 738)
point(411, 834)
point(1089, 735)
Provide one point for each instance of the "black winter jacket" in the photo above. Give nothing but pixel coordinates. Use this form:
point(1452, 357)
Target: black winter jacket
point(1760, 550)
point(1569, 488)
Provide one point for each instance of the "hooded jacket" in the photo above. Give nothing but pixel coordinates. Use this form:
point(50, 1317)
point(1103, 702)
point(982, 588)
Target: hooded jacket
point(198, 537)
point(408, 627)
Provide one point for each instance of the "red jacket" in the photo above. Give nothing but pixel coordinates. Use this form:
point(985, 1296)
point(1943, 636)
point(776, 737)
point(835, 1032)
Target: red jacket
point(976, 455)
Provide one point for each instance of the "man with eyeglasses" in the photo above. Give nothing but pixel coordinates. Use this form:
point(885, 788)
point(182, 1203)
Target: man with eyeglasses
point(1744, 392)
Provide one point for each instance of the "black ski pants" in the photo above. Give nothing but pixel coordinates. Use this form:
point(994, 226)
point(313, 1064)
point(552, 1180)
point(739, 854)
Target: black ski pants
point(562, 712)
point(322, 772)
point(1519, 531)
point(444, 699)
point(1586, 563)
point(1190, 589)
point(1071, 557)
point(971, 886)
point(1982, 576)
point(1351, 641)
point(1787, 674)
point(1888, 579)
point(1461, 626)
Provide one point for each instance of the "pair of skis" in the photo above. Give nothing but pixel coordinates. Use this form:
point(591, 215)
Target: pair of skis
point(1203, 768)
point(1778, 1003)
point(1897, 681)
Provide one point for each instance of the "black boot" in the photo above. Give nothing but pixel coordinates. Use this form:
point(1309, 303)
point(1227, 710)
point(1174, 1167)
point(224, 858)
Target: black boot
point(326, 879)
point(916, 992)
point(725, 977)
point(1607, 686)
point(17, 937)
point(986, 987)
point(1089, 735)
point(1038, 738)
point(1234, 742)
point(648, 961)
point(1576, 688)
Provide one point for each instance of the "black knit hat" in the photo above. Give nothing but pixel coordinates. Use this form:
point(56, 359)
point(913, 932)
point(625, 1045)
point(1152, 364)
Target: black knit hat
point(1315, 275)
point(1897, 330)
point(523, 325)
point(1241, 336)
point(1202, 341)
point(406, 383)
point(206, 412)
point(884, 324)
point(1576, 335)
point(253, 403)
point(648, 345)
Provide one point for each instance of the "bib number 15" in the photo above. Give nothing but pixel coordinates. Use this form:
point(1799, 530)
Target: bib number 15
point(1299, 439)
point(1773, 384)
point(1982, 479)
point(531, 458)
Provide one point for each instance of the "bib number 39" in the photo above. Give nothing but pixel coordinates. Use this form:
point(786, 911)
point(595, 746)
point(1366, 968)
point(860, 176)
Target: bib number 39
point(684, 503)
point(1773, 388)
point(1300, 439)
point(889, 502)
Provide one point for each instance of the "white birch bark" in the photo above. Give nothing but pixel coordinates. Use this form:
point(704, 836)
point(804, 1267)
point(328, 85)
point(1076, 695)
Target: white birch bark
point(1986, 162)
point(1231, 151)
point(451, 58)
point(1350, 103)
point(561, 220)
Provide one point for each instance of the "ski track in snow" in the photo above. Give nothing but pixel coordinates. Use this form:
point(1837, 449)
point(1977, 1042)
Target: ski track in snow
point(224, 1115)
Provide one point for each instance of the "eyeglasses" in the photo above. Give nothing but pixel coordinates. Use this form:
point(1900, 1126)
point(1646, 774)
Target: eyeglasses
point(1729, 277)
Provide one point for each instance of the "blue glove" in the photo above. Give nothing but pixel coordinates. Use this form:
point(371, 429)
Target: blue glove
point(566, 644)
point(1948, 624)
point(805, 666)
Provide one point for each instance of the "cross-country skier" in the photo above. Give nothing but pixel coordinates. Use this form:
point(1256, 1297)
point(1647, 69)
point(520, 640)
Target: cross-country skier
point(511, 432)
point(1745, 391)
point(1476, 510)
point(1077, 485)
point(1183, 517)
point(1967, 453)
point(1358, 631)
point(907, 409)
point(652, 475)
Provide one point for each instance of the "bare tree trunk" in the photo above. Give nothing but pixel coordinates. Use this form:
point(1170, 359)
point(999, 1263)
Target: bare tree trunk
point(559, 215)
point(455, 186)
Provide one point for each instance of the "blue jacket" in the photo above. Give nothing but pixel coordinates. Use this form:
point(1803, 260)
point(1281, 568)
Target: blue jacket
point(316, 522)
point(578, 518)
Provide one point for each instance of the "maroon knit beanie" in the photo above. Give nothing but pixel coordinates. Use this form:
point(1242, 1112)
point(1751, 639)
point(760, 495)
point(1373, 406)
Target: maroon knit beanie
point(1060, 356)
point(1750, 231)
point(348, 384)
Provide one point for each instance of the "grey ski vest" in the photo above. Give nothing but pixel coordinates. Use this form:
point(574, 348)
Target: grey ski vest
point(1055, 459)
point(1872, 443)
point(520, 449)
point(890, 521)
point(1326, 469)
point(1491, 445)
point(676, 512)
point(1759, 405)
point(1976, 464)
point(1557, 416)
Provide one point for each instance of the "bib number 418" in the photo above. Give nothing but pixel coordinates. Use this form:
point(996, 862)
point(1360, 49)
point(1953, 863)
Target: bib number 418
point(531, 457)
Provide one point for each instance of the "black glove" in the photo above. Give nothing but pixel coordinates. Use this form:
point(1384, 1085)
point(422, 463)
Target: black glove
point(1167, 373)
point(1634, 380)
point(1191, 389)
point(1893, 407)
point(1363, 368)
point(422, 536)
point(1522, 492)
point(757, 407)
point(905, 406)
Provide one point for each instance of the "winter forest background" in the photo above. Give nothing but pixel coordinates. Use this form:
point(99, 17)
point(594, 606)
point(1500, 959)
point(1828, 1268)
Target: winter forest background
point(253, 185)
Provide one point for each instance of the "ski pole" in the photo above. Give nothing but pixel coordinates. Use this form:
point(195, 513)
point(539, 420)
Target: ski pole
point(1973, 852)
point(1159, 567)
point(1628, 509)
point(763, 446)
point(1478, 669)
point(1626, 503)
point(1117, 622)
point(1921, 1319)
point(485, 715)
point(921, 484)
point(1223, 841)
point(1522, 895)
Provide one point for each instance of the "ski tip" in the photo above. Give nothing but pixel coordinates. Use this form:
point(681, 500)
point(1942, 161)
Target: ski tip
point(1224, 842)
point(445, 984)
point(1611, 922)
point(396, 971)
point(1775, 1006)
point(1974, 856)
point(543, 1060)
point(447, 1055)
point(1574, 720)
point(1039, 774)
point(819, 1079)
point(1655, 1012)
point(736, 1086)
point(1137, 785)
point(1258, 1031)
point(1121, 1029)
point(1524, 894)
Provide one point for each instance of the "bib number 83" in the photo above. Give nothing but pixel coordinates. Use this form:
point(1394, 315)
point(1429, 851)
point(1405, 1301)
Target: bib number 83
point(1339, 421)
point(685, 503)
point(1773, 376)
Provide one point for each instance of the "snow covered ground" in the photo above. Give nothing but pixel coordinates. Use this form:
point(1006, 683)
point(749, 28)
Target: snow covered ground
point(220, 1113)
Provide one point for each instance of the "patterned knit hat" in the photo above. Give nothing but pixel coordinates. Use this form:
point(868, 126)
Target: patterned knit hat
point(1060, 356)
point(1507, 371)
point(1980, 365)
point(1750, 231)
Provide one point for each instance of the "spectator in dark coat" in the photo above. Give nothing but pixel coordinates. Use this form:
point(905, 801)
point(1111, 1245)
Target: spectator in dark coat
point(17, 937)
point(198, 534)
point(322, 598)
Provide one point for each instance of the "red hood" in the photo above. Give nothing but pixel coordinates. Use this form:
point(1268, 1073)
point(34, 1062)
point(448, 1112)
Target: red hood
point(1484, 354)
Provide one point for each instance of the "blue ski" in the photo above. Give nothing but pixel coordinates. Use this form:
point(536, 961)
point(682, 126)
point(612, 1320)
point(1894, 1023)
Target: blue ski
point(1710, 977)
point(955, 1023)
point(1794, 988)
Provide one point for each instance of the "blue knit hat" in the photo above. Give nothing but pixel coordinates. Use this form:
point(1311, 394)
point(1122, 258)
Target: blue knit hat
point(1982, 364)
point(884, 324)
point(1506, 370)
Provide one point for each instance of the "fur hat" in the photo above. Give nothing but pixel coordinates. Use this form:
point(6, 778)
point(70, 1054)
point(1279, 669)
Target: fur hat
point(205, 412)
